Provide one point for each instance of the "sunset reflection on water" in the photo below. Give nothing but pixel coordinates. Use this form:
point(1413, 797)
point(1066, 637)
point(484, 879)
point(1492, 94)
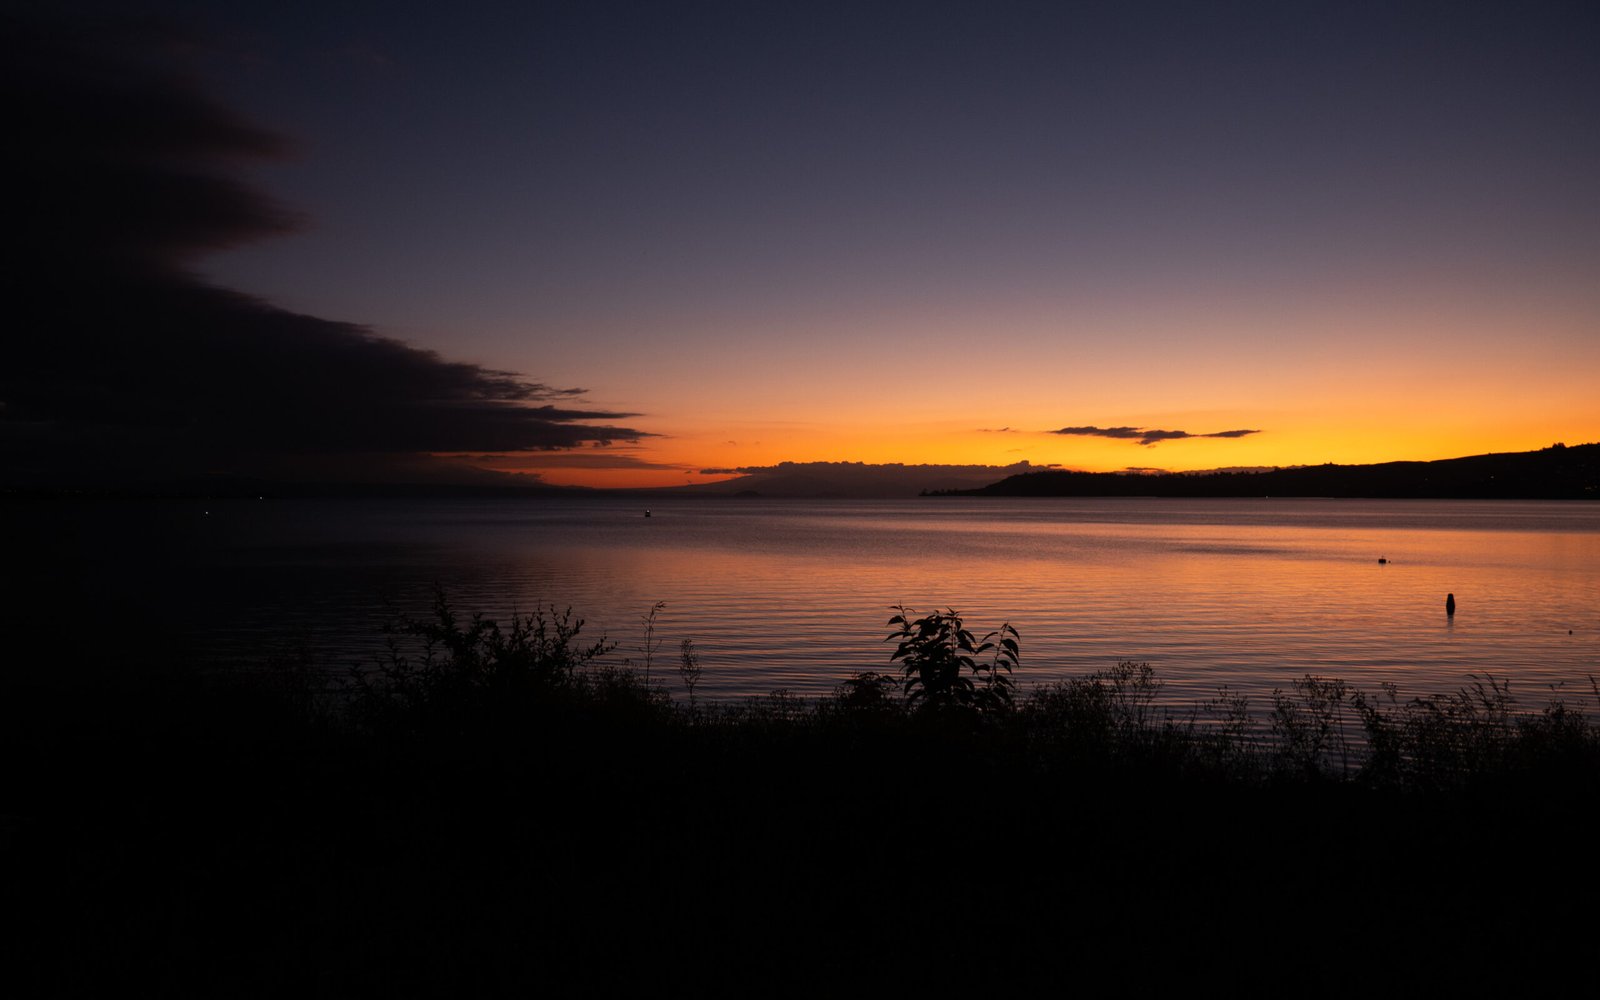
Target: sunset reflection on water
point(794, 594)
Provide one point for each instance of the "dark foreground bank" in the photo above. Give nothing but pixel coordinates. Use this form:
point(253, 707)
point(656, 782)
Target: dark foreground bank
point(509, 814)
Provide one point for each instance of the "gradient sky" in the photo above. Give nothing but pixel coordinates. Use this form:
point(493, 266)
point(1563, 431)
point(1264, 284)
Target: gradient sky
point(935, 233)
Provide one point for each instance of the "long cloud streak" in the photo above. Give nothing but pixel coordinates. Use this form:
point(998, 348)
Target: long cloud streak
point(1146, 436)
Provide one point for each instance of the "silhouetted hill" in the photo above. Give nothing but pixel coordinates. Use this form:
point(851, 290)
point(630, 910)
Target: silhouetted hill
point(850, 480)
point(1554, 473)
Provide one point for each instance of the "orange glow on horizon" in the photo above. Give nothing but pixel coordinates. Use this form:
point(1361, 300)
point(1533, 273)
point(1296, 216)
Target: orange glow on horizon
point(1345, 375)
point(689, 461)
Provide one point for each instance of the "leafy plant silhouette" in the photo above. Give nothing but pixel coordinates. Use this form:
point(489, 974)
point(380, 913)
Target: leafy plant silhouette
point(941, 665)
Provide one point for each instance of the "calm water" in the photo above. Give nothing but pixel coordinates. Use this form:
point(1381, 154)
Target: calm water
point(794, 594)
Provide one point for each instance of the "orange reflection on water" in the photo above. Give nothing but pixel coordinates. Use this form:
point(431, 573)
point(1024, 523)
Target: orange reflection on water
point(1253, 594)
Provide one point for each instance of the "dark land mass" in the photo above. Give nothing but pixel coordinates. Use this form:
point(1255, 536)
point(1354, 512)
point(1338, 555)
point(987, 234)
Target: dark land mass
point(1554, 473)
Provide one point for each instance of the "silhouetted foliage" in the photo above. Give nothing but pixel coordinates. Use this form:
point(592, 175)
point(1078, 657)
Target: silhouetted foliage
point(689, 667)
point(1310, 726)
point(647, 650)
point(941, 662)
point(455, 674)
point(869, 691)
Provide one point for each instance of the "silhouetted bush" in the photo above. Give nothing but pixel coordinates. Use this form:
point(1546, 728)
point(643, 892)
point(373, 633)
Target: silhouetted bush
point(444, 675)
point(942, 664)
point(869, 693)
point(1309, 728)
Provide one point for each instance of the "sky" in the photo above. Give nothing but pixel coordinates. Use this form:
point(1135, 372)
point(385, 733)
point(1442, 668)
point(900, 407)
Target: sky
point(1100, 236)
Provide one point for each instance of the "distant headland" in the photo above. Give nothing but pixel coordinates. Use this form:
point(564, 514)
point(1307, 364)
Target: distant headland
point(1554, 473)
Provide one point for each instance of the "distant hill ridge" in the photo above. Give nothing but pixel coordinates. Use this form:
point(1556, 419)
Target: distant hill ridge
point(1554, 473)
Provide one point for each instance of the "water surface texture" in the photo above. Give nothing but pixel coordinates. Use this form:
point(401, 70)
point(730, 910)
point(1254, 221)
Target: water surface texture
point(795, 594)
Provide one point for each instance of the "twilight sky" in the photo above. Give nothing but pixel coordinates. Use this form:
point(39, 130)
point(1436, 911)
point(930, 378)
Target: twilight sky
point(1174, 235)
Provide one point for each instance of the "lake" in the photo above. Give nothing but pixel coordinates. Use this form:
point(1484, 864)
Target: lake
point(794, 594)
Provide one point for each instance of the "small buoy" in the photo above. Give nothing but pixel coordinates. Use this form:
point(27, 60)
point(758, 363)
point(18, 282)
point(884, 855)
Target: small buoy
point(646, 513)
point(1449, 604)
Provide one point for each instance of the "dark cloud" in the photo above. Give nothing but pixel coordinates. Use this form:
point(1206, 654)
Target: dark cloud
point(124, 364)
point(1146, 436)
point(122, 159)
